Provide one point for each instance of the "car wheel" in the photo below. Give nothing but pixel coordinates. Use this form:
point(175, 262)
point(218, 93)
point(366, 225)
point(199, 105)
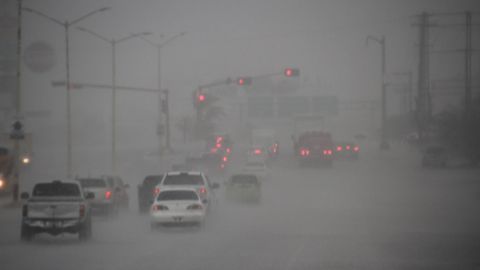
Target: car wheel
point(26, 234)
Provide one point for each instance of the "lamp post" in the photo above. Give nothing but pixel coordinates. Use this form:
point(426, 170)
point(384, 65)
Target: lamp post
point(113, 43)
point(384, 145)
point(66, 26)
point(159, 47)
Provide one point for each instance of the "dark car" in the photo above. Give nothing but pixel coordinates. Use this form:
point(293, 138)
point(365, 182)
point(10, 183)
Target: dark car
point(146, 191)
point(435, 156)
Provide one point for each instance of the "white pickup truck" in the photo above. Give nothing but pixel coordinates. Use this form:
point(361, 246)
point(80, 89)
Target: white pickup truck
point(56, 207)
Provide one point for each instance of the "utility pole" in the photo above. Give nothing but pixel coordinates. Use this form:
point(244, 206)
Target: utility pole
point(166, 110)
point(468, 65)
point(384, 145)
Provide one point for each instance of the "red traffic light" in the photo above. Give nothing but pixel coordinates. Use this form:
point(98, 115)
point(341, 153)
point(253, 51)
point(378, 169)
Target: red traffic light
point(244, 81)
point(291, 72)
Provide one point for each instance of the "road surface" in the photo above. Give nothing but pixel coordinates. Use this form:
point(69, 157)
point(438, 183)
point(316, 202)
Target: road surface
point(382, 212)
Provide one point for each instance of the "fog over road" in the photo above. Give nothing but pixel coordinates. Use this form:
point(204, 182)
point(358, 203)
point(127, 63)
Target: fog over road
point(381, 212)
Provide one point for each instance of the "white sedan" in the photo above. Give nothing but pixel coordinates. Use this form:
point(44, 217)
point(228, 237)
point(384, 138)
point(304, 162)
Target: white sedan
point(177, 206)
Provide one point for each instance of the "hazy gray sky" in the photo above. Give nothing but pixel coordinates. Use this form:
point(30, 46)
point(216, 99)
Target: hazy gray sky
point(326, 39)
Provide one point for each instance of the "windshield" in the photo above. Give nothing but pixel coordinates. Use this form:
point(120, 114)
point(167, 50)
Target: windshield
point(56, 190)
point(92, 183)
point(183, 179)
point(177, 195)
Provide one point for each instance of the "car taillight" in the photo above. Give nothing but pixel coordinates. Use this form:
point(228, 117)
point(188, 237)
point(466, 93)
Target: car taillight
point(156, 191)
point(159, 207)
point(202, 190)
point(218, 145)
point(25, 211)
point(347, 147)
point(195, 207)
point(81, 210)
point(225, 159)
point(339, 148)
point(356, 149)
point(327, 152)
point(108, 194)
point(213, 150)
point(257, 151)
point(304, 152)
point(228, 150)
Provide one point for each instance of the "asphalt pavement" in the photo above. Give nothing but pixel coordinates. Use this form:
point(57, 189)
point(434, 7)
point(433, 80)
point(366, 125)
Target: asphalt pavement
point(381, 212)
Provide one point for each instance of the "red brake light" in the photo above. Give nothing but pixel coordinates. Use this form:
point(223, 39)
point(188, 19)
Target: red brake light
point(81, 211)
point(339, 148)
point(225, 159)
point(202, 190)
point(356, 148)
point(257, 151)
point(108, 194)
point(218, 145)
point(228, 150)
point(156, 191)
point(159, 207)
point(347, 147)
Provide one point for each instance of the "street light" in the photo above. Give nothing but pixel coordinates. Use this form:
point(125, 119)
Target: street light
point(113, 43)
point(66, 25)
point(159, 47)
point(383, 141)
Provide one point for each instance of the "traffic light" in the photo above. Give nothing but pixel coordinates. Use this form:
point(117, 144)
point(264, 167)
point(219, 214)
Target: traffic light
point(244, 81)
point(291, 72)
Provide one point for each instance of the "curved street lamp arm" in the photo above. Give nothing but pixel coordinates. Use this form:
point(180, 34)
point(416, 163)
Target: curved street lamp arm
point(94, 34)
point(31, 10)
point(89, 14)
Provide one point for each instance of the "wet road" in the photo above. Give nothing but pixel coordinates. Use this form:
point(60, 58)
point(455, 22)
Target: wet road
point(382, 212)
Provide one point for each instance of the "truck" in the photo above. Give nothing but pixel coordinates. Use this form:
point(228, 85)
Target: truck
point(56, 207)
point(311, 144)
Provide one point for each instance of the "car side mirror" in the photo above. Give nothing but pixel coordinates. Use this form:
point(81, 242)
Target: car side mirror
point(90, 195)
point(24, 196)
point(215, 186)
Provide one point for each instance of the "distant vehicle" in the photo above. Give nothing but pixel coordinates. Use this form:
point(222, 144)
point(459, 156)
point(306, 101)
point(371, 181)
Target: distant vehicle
point(195, 180)
point(54, 208)
point(177, 206)
point(110, 193)
point(219, 143)
point(314, 147)
point(146, 191)
point(265, 138)
point(243, 188)
point(435, 156)
point(258, 168)
point(347, 150)
point(212, 163)
point(257, 153)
